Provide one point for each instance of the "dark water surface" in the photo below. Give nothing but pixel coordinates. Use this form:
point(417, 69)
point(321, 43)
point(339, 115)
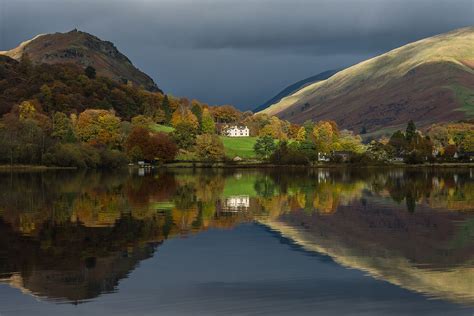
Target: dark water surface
point(240, 242)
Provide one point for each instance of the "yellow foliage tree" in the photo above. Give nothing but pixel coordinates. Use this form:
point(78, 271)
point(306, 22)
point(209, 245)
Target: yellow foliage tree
point(184, 115)
point(98, 127)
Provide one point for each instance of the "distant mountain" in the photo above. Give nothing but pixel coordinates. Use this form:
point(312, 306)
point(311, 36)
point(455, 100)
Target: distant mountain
point(83, 49)
point(295, 87)
point(428, 81)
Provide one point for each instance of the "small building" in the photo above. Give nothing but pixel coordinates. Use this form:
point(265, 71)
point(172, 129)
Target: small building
point(237, 131)
point(322, 157)
point(397, 159)
point(469, 156)
point(343, 155)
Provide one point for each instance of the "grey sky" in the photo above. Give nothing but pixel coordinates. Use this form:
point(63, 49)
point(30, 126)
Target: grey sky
point(240, 52)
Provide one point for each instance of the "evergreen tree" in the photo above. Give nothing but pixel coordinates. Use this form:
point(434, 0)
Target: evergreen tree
point(166, 108)
point(207, 125)
point(197, 111)
point(410, 131)
point(90, 72)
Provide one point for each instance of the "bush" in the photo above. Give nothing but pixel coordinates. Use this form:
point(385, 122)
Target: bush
point(65, 155)
point(112, 159)
point(415, 158)
point(288, 155)
point(84, 156)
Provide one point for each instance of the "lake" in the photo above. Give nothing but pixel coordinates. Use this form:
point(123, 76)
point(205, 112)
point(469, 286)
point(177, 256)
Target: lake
point(237, 242)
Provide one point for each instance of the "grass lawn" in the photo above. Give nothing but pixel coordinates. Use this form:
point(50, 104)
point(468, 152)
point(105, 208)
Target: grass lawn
point(161, 128)
point(239, 146)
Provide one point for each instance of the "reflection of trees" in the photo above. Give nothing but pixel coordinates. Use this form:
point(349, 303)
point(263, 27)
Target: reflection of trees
point(88, 230)
point(84, 231)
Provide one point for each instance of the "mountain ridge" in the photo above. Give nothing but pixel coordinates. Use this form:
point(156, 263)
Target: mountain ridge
point(295, 87)
point(83, 49)
point(431, 80)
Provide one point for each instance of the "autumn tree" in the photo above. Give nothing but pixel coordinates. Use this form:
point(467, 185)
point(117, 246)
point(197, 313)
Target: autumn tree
point(142, 121)
point(162, 147)
point(98, 127)
point(467, 143)
point(209, 147)
point(184, 115)
point(276, 128)
point(226, 114)
point(325, 134)
point(301, 135)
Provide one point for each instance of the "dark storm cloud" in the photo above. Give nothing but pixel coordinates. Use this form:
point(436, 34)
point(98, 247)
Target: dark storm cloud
point(242, 51)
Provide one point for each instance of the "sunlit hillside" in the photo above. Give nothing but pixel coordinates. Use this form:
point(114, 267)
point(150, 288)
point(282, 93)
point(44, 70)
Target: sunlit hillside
point(429, 81)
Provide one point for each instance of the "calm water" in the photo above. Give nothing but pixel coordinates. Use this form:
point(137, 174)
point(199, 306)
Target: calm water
point(319, 242)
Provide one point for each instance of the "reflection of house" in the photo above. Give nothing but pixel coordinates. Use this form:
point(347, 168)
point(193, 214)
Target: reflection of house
point(237, 203)
point(237, 131)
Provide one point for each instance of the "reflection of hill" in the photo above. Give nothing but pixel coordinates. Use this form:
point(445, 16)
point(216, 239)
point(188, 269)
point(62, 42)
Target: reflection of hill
point(72, 263)
point(73, 236)
point(422, 252)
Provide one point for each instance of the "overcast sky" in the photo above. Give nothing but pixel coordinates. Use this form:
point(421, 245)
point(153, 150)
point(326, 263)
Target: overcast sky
point(238, 52)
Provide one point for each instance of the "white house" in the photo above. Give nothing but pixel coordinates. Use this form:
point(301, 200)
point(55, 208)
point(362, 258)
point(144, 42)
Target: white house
point(237, 131)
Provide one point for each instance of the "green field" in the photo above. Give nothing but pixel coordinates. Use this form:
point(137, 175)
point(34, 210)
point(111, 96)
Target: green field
point(239, 146)
point(234, 146)
point(161, 128)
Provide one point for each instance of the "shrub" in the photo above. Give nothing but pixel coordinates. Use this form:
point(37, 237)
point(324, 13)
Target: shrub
point(112, 159)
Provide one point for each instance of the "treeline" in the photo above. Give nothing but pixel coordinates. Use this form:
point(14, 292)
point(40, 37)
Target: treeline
point(67, 116)
point(324, 142)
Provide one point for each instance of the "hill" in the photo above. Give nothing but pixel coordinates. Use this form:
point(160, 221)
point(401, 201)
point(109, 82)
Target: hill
point(295, 87)
point(428, 81)
point(66, 88)
point(84, 50)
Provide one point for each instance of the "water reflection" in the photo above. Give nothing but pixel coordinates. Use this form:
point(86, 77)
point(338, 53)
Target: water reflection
point(73, 236)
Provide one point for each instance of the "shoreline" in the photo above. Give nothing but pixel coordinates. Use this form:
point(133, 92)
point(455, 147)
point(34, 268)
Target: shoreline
point(224, 165)
point(33, 168)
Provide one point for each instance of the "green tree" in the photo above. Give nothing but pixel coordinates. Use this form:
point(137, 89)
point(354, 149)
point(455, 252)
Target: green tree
point(90, 72)
point(62, 128)
point(264, 146)
point(184, 135)
point(167, 109)
point(398, 141)
point(197, 111)
point(207, 126)
point(410, 132)
point(46, 97)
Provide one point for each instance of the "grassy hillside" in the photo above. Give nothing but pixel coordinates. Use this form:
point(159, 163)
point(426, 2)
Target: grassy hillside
point(239, 146)
point(161, 128)
point(406, 83)
point(234, 146)
point(295, 87)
